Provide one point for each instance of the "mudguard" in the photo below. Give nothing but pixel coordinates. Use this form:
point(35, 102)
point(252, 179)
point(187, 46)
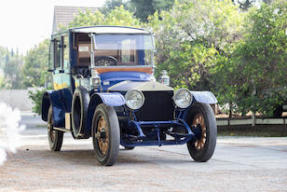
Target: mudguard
point(61, 101)
point(204, 97)
point(110, 99)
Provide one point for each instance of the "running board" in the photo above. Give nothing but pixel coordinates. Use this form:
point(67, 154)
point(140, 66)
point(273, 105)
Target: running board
point(61, 129)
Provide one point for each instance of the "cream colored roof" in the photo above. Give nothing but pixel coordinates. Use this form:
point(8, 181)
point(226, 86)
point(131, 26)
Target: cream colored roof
point(110, 30)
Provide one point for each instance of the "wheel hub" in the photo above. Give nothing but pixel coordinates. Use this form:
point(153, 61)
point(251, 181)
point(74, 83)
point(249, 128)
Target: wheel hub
point(51, 131)
point(197, 131)
point(102, 135)
point(200, 131)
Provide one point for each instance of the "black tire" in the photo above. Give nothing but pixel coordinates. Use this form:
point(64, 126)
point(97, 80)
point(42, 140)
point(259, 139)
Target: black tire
point(129, 148)
point(55, 137)
point(278, 112)
point(201, 149)
point(80, 105)
point(107, 140)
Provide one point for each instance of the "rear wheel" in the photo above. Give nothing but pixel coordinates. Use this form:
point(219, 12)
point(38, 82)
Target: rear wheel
point(106, 134)
point(80, 105)
point(202, 147)
point(55, 137)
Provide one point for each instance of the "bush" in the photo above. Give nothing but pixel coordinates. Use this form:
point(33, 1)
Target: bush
point(36, 96)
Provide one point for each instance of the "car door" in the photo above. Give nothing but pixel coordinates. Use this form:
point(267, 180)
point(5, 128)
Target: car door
point(61, 77)
point(57, 80)
point(65, 62)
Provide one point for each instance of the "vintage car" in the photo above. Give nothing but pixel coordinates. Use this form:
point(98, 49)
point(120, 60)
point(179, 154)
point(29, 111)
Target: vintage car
point(104, 88)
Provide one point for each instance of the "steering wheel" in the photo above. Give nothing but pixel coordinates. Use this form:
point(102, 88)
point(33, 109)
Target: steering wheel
point(106, 61)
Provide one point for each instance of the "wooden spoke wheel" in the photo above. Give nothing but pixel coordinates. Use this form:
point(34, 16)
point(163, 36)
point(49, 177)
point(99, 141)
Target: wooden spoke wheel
point(202, 147)
point(106, 134)
point(102, 135)
point(55, 137)
point(199, 121)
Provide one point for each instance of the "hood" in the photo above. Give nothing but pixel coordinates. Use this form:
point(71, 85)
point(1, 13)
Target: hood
point(141, 86)
point(110, 79)
point(125, 75)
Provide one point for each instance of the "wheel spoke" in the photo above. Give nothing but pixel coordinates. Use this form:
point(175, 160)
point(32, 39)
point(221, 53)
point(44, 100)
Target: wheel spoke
point(102, 135)
point(199, 120)
point(98, 135)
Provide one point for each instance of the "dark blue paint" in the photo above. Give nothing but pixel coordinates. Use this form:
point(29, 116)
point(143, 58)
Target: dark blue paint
point(61, 101)
point(73, 52)
point(141, 56)
point(110, 99)
point(143, 140)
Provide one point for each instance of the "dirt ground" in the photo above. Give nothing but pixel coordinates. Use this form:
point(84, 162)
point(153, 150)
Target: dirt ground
point(239, 164)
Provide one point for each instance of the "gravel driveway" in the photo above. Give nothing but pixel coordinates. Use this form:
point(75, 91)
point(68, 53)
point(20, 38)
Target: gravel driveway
point(239, 164)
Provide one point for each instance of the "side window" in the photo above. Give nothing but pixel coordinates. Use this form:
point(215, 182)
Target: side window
point(66, 51)
point(57, 53)
point(51, 55)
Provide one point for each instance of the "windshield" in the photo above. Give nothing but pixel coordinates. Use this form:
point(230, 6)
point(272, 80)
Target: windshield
point(123, 49)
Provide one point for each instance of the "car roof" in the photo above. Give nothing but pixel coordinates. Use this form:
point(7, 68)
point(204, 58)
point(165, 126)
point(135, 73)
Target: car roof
point(109, 30)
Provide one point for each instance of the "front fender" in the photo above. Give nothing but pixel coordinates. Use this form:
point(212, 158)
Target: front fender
point(110, 99)
point(204, 97)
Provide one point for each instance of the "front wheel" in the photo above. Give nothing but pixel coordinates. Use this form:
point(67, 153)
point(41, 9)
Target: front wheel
point(129, 148)
point(55, 137)
point(202, 147)
point(106, 134)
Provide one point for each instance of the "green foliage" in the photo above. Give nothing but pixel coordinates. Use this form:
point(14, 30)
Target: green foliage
point(112, 4)
point(193, 37)
point(117, 16)
point(36, 97)
point(36, 65)
point(87, 18)
point(4, 52)
point(145, 8)
point(141, 8)
point(259, 61)
point(11, 65)
point(2, 83)
point(246, 4)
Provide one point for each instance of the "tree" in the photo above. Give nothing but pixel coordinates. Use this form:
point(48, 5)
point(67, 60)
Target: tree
point(36, 65)
point(259, 61)
point(112, 4)
point(12, 67)
point(3, 54)
point(141, 8)
point(117, 16)
point(145, 8)
point(192, 37)
point(245, 4)
point(2, 84)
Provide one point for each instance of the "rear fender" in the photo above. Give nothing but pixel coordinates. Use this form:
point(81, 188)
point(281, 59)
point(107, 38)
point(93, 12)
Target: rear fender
point(61, 101)
point(110, 99)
